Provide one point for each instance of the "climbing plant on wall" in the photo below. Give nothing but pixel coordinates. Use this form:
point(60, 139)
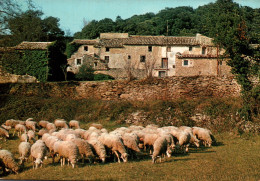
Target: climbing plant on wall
point(71, 48)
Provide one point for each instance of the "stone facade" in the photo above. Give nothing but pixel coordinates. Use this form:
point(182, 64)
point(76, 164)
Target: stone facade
point(161, 56)
point(156, 89)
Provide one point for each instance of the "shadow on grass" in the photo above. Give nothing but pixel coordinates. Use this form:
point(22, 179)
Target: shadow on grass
point(219, 144)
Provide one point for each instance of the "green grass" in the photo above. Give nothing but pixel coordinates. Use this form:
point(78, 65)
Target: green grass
point(235, 158)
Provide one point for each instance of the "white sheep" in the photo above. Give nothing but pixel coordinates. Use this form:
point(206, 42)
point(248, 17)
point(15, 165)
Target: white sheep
point(193, 139)
point(67, 149)
point(148, 141)
point(31, 136)
point(161, 147)
point(80, 132)
point(74, 124)
point(4, 133)
point(50, 141)
point(38, 152)
point(131, 141)
point(60, 123)
point(43, 123)
point(84, 149)
point(114, 143)
point(204, 135)
point(7, 161)
point(98, 149)
point(31, 124)
point(19, 128)
point(7, 128)
point(182, 137)
point(42, 131)
point(11, 122)
point(97, 125)
point(24, 151)
point(50, 126)
point(24, 137)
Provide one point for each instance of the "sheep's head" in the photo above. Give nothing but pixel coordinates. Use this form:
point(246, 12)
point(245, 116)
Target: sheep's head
point(103, 159)
point(16, 169)
point(197, 143)
point(124, 157)
point(38, 162)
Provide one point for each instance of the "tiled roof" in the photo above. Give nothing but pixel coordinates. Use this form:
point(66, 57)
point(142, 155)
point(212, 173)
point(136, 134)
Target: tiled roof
point(196, 56)
point(85, 42)
point(33, 45)
point(140, 40)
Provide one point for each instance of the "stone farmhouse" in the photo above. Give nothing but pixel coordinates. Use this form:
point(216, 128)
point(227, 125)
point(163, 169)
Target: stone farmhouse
point(119, 55)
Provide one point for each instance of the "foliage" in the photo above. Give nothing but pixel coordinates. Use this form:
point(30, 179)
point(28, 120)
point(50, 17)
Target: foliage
point(71, 48)
point(103, 77)
point(86, 72)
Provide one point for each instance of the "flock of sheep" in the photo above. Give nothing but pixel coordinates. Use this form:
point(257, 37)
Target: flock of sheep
point(71, 143)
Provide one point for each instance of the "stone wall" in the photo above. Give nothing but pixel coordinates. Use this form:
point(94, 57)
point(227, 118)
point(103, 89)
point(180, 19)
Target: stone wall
point(163, 89)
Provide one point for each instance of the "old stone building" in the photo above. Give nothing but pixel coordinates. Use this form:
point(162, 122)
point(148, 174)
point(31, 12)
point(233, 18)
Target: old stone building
point(119, 55)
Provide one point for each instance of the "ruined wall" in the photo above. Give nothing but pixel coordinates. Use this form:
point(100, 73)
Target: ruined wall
point(163, 89)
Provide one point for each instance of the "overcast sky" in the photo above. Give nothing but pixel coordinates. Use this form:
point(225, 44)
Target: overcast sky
point(72, 12)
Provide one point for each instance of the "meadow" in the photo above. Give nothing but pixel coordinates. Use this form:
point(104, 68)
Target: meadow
point(235, 157)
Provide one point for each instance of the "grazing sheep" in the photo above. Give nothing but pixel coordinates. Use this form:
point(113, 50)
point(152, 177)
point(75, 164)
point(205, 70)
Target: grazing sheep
point(11, 122)
point(60, 123)
point(182, 137)
point(7, 128)
point(98, 149)
point(24, 151)
point(204, 135)
point(114, 143)
point(38, 152)
point(19, 128)
point(80, 132)
point(31, 136)
point(30, 124)
point(161, 147)
point(193, 139)
point(84, 149)
point(131, 142)
point(96, 125)
point(148, 140)
point(67, 149)
point(43, 123)
point(24, 137)
point(50, 126)
point(4, 133)
point(74, 124)
point(50, 141)
point(7, 161)
point(41, 132)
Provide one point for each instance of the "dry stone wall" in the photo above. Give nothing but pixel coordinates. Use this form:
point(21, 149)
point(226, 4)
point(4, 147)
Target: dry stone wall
point(156, 89)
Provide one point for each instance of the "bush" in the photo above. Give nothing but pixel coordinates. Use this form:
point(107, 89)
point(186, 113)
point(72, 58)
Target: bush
point(103, 77)
point(86, 72)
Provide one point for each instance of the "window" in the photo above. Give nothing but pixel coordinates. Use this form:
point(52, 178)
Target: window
point(129, 56)
point(162, 73)
point(78, 62)
point(150, 48)
point(86, 48)
point(107, 49)
point(142, 58)
point(185, 62)
point(106, 59)
point(95, 64)
point(164, 63)
point(203, 51)
point(190, 48)
point(168, 49)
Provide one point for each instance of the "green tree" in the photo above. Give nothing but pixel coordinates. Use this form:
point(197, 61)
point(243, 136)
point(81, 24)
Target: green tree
point(86, 72)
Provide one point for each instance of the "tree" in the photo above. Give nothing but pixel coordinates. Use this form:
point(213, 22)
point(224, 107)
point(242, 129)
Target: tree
point(86, 72)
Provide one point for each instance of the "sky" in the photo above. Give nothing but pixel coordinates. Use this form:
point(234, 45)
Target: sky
point(72, 12)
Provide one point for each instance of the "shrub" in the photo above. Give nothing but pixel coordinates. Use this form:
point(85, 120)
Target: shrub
point(86, 72)
point(103, 77)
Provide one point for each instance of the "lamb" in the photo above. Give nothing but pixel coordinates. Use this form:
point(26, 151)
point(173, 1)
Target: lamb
point(31, 124)
point(19, 128)
point(31, 136)
point(67, 149)
point(43, 123)
point(50, 126)
point(114, 143)
point(24, 137)
point(160, 148)
point(84, 149)
point(74, 124)
point(24, 151)
point(38, 152)
point(7, 161)
point(204, 135)
point(98, 149)
point(4, 133)
point(60, 123)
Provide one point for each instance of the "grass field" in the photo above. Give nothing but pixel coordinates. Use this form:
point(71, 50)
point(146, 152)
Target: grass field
point(234, 158)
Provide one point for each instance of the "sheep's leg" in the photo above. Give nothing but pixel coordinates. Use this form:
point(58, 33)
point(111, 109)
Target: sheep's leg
point(117, 156)
point(83, 158)
point(14, 132)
